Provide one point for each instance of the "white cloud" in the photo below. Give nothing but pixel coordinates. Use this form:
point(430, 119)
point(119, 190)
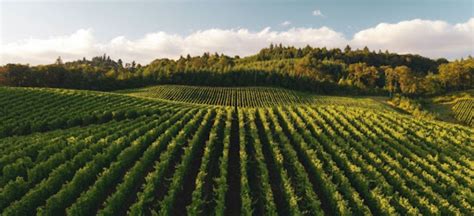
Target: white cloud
point(429, 38)
point(425, 37)
point(286, 23)
point(163, 45)
point(35, 51)
point(318, 13)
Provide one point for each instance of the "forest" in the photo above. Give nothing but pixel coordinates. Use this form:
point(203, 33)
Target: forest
point(312, 69)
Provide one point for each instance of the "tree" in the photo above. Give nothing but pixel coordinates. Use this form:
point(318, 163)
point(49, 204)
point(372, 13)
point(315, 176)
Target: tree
point(59, 61)
point(366, 50)
point(457, 75)
point(3, 79)
point(362, 75)
point(18, 74)
point(431, 84)
point(391, 81)
point(299, 53)
point(409, 83)
point(303, 66)
point(50, 75)
point(347, 49)
point(308, 68)
point(225, 61)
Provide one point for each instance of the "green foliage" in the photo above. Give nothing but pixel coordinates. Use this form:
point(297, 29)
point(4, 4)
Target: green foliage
point(411, 106)
point(142, 156)
point(320, 70)
point(457, 75)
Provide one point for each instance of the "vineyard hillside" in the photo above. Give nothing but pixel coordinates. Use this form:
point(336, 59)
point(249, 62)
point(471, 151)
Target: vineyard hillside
point(178, 150)
point(454, 107)
point(246, 96)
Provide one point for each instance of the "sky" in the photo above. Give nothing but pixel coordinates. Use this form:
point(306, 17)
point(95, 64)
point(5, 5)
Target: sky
point(37, 31)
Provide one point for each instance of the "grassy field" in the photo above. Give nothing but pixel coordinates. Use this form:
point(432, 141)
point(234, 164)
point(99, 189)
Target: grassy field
point(175, 150)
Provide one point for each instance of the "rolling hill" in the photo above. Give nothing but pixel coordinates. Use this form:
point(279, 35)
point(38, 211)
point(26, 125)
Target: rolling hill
point(175, 150)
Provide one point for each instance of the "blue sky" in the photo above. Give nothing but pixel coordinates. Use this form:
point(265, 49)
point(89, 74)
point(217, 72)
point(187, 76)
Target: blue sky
point(107, 20)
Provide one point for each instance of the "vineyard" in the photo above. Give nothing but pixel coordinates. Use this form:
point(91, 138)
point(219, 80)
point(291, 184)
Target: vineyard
point(464, 110)
point(70, 152)
point(244, 97)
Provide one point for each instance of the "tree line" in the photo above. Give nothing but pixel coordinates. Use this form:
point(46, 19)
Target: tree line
point(320, 70)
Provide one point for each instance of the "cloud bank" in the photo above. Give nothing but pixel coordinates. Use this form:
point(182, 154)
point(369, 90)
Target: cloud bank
point(425, 37)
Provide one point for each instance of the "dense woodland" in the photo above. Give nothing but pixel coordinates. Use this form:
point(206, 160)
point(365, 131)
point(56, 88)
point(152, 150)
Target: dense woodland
point(320, 70)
